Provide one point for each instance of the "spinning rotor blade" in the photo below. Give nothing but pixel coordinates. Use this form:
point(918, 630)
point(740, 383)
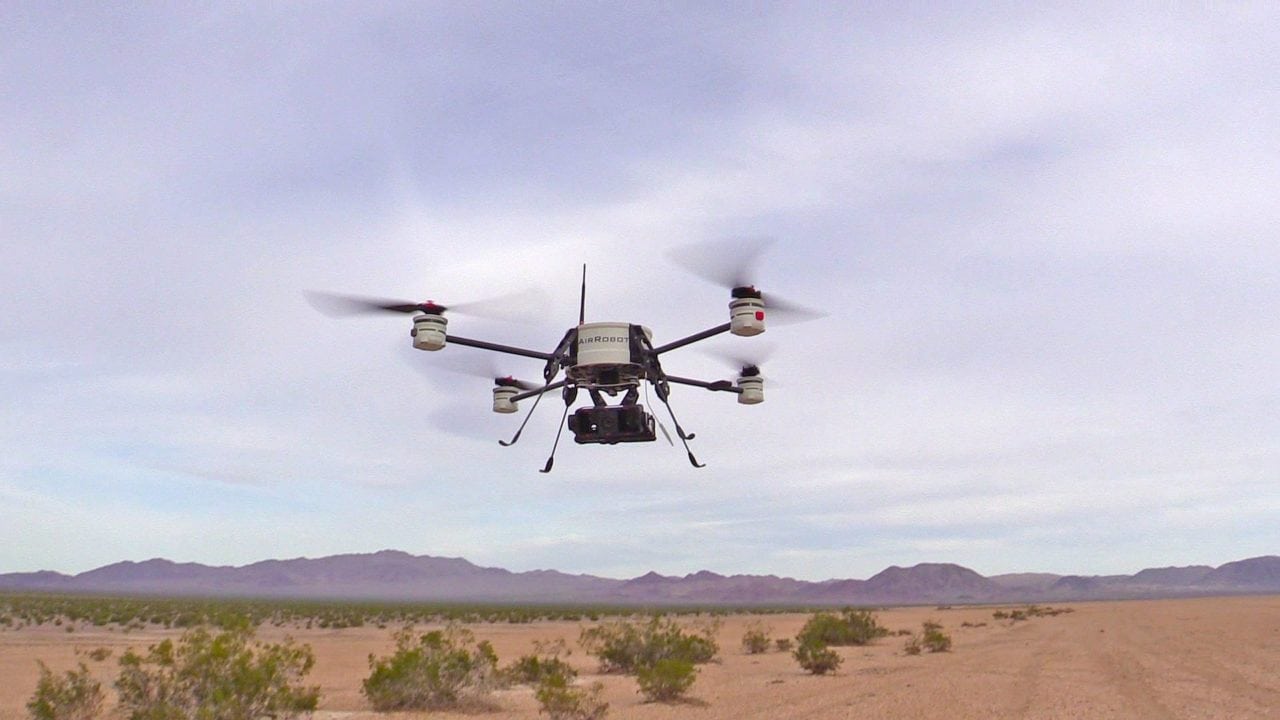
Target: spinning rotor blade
point(784, 312)
point(335, 305)
point(474, 365)
point(512, 382)
point(733, 264)
point(514, 307)
point(746, 364)
point(727, 263)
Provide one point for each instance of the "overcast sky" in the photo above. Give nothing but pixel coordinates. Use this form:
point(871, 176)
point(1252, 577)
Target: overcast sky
point(1046, 242)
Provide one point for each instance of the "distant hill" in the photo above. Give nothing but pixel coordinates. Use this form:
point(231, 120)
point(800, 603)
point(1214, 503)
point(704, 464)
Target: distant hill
point(1172, 576)
point(395, 575)
point(938, 582)
point(389, 574)
point(1025, 581)
point(1259, 572)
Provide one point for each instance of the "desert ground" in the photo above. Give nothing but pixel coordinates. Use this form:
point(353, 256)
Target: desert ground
point(1193, 658)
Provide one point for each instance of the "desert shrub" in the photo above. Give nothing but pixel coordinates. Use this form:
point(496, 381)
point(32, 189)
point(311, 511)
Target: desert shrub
point(850, 627)
point(666, 680)
point(530, 669)
point(815, 657)
point(216, 677)
point(783, 644)
point(625, 647)
point(1043, 611)
point(187, 619)
point(99, 654)
point(934, 639)
point(545, 660)
point(756, 639)
point(667, 640)
point(72, 696)
point(913, 646)
point(438, 669)
point(561, 700)
point(1028, 612)
point(617, 645)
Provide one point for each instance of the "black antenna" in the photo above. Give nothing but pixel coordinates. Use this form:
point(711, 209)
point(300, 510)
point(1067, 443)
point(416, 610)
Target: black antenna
point(582, 299)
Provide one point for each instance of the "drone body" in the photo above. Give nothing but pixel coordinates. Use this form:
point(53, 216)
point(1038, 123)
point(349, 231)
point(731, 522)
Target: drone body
point(603, 359)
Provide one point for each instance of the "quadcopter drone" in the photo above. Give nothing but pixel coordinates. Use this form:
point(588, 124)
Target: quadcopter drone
point(602, 359)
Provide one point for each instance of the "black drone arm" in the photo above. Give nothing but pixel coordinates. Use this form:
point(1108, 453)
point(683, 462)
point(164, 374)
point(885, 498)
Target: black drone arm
point(538, 391)
point(692, 339)
point(718, 385)
point(509, 349)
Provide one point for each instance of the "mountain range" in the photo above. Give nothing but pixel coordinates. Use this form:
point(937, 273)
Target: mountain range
point(398, 576)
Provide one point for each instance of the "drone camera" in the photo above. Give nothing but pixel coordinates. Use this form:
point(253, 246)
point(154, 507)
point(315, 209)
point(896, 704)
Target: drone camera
point(611, 424)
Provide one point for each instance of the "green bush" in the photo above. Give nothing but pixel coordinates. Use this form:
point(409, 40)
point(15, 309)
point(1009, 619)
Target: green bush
point(666, 680)
point(73, 696)
point(545, 660)
point(934, 639)
point(216, 677)
point(439, 669)
point(815, 657)
point(530, 669)
point(617, 645)
point(559, 699)
point(850, 627)
point(913, 646)
point(756, 639)
point(625, 647)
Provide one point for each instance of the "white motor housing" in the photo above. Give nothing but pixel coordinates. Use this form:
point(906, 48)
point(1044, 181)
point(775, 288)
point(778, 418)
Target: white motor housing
point(502, 402)
point(429, 332)
point(752, 387)
point(746, 316)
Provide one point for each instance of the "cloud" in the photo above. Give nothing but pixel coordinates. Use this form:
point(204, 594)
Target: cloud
point(1041, 236)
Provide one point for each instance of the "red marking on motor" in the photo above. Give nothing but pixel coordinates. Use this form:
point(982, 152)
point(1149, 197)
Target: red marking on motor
point(760, 315)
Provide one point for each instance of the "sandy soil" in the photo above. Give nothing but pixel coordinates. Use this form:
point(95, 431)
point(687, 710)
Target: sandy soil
point(1202, 658)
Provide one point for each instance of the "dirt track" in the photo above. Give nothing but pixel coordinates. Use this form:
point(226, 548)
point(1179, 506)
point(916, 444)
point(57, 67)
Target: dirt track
point(1203, 658)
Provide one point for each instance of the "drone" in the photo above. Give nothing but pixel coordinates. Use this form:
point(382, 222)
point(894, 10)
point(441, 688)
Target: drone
point(604, 360)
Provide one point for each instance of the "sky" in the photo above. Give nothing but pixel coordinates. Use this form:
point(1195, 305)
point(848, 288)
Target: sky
point(1045, 241)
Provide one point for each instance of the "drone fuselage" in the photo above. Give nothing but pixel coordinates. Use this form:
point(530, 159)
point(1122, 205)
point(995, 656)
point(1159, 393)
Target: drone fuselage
point(609, 355)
